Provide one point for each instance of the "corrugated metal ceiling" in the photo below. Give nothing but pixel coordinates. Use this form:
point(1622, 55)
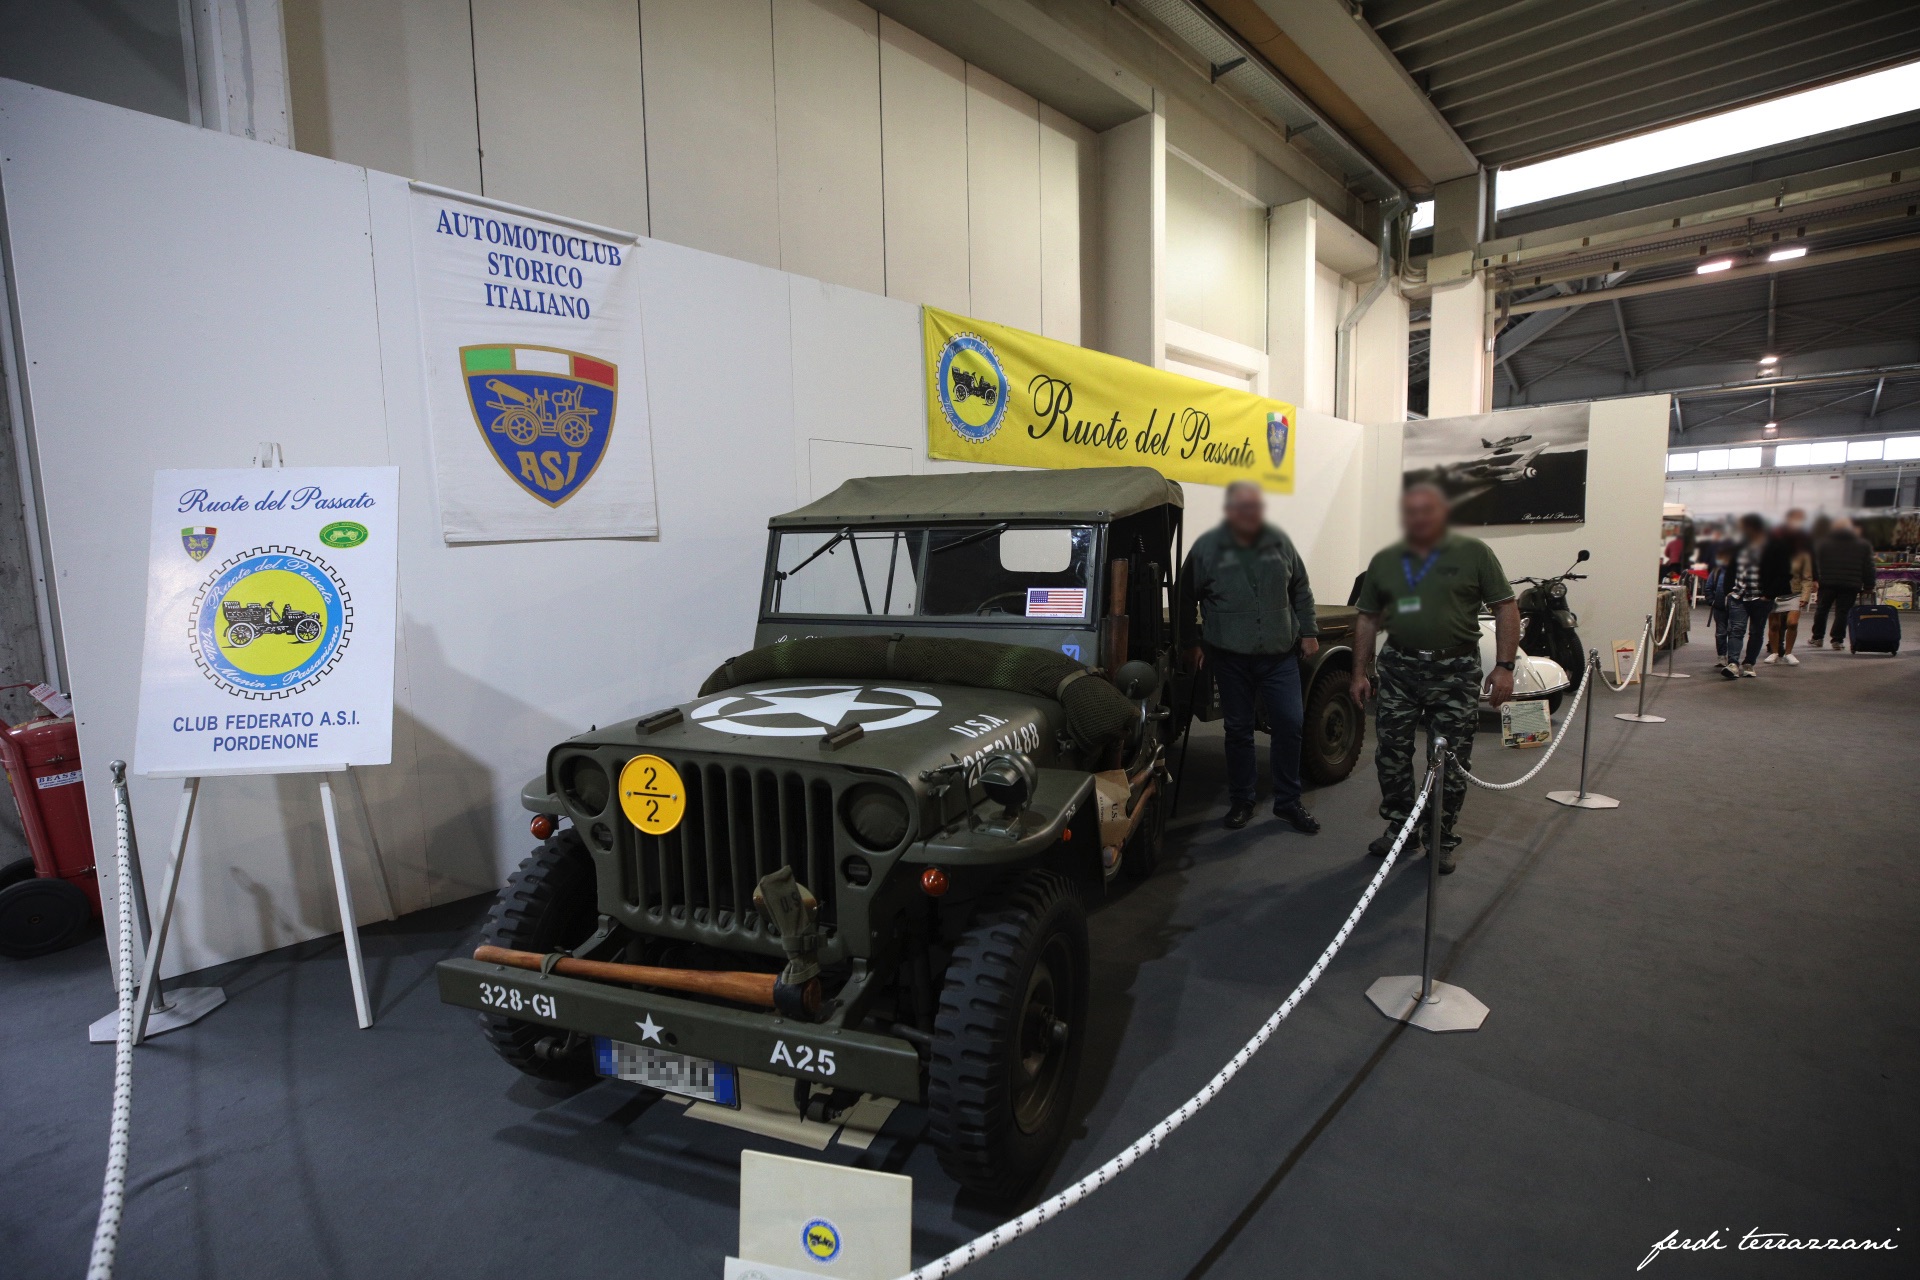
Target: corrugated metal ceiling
point(1520, 80)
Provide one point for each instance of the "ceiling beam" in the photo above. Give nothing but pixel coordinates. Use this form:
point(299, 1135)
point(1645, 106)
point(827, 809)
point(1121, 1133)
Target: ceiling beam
point(1852, 253)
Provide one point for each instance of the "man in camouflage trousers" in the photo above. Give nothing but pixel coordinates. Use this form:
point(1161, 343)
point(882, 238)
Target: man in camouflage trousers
point(1426, 592)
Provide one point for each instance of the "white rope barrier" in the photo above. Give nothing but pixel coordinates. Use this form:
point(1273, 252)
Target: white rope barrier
point(1007, 1232)
point(1638, 654)
point(106, 1231)
point(1552, 747)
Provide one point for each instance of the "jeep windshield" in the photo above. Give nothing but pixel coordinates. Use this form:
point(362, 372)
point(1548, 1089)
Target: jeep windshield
point(951, 571)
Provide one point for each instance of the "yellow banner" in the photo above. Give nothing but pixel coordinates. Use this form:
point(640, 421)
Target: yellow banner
point(996, 394)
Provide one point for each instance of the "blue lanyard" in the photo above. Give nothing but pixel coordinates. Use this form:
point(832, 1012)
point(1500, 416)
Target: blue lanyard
point(1406, 566)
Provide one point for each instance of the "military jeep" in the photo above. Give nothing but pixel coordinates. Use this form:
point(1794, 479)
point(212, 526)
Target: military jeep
point(860, 859)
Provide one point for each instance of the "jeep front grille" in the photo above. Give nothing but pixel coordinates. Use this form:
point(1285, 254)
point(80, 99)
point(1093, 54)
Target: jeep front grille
point(742, 822)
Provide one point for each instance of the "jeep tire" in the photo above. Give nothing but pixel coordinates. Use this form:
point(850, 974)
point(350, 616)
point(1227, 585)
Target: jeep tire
point(549, 904)
point(1333, 728)
point(1008, 1037)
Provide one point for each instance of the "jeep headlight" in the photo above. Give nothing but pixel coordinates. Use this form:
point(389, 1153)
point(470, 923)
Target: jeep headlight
point(875, 815)
point(585, 784)
point(1009, 779)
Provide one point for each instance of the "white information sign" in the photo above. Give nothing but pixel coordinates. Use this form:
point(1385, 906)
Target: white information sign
point(270, 621)
point(536, 385)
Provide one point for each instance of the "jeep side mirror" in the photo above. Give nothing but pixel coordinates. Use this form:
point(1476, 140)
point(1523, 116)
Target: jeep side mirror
point(1137, 680)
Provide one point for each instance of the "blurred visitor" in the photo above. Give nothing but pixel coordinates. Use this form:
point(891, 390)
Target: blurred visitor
point(1783, 626)
point(1719, 587)
point(1843, 568)
point(1762, 572)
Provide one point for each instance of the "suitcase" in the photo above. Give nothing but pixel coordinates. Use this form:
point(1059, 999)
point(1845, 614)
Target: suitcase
point(1873, 628)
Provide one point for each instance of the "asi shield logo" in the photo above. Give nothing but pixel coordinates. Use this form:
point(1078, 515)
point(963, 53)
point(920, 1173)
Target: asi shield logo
point(198, 541)
point(1278, 429)
point(546, 413)
point(972, 387)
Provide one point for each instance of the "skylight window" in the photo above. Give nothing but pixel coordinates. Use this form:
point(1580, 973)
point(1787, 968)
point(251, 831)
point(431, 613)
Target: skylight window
point(1765, 124)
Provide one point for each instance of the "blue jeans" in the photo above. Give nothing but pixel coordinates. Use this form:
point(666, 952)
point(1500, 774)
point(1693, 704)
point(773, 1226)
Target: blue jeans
point(1748, 618)
point(1270, 682)
point(1720, 632)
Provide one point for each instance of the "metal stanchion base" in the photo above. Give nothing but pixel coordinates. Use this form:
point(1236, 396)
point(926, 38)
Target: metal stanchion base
point(1575, 800)
point(1638, 718)
point(1449, 1008)
point(185, 1006)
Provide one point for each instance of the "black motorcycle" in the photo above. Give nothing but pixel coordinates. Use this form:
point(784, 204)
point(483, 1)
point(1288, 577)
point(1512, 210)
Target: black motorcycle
point(1547, 622)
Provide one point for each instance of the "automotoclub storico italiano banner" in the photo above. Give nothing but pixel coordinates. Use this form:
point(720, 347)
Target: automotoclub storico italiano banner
point(536, 392)
point(996, 394)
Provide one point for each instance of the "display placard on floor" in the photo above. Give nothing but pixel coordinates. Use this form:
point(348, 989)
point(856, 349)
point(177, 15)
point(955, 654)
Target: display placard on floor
point(270, 621)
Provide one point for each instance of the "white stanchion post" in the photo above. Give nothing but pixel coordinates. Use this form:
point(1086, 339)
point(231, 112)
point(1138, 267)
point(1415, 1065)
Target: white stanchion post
point(1645, 664)
point(1584, 799)
point(1416, 998)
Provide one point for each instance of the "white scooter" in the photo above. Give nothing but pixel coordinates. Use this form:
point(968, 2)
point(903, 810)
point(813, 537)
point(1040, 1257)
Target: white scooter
point(1533, 676)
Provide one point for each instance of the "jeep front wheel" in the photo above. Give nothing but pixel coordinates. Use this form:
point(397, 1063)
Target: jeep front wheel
point(549, 904)
point(1008, 1036)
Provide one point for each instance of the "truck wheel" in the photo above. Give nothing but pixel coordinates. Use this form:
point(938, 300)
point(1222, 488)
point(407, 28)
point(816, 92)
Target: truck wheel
point(1007, 1039)
point(1334, 730)
point(14, 872)
point(40, 916)
point(549, 904)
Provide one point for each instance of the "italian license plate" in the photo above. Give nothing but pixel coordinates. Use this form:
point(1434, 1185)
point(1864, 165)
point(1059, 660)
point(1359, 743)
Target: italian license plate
point(678, 1073)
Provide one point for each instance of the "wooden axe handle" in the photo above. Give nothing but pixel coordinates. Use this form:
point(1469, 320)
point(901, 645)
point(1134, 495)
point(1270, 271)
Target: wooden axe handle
point(745, 988)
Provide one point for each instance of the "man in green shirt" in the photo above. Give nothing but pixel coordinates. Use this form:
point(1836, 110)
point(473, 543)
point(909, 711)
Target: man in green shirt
point(1255, 615)
point(1426, 591)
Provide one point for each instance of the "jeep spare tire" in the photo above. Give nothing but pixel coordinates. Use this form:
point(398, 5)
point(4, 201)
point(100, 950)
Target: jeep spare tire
point(549, 904)
point(1008, 1037)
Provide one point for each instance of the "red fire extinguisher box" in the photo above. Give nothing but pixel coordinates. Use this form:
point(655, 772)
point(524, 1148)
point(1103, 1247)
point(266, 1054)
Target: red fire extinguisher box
point(42, 759)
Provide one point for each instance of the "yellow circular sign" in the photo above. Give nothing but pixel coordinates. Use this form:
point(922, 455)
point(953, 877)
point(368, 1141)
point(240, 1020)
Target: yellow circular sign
point(652, 795)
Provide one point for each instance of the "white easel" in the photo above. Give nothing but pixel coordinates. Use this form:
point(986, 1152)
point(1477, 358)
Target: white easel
point(269, 456)
point(349, 927)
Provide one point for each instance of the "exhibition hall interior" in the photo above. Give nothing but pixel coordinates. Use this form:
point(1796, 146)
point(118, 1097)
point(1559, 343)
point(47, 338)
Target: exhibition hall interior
point(895, 639)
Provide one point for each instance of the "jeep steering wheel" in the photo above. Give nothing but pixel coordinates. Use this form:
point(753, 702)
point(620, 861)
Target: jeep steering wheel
point(988, 603)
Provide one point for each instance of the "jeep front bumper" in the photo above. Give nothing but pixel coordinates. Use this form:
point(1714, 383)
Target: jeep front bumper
point(857, 1060)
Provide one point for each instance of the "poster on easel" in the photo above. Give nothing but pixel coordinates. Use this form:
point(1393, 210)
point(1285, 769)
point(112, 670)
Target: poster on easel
point(270, 621)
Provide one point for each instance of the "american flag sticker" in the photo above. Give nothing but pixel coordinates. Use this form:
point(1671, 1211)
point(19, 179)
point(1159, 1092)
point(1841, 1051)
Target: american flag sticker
point(1056, 602)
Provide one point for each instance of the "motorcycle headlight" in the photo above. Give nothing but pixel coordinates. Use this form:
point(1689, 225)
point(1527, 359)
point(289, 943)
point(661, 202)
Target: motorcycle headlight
point(1559, 591)
point(585, 784)
point(875, 815)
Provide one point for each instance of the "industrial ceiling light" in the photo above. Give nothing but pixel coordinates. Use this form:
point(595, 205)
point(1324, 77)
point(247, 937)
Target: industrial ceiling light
point(1769, 359)
point(1771, 428)
point(1712, 265)
point(1787, 254)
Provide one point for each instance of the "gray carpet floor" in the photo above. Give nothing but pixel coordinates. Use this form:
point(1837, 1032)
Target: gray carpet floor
point(1703, 1017)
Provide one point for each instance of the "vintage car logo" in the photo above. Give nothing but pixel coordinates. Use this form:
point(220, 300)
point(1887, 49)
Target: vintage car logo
point(1278, 429)
point(271, 622)
point(546, 413)
point(821, 1240)
point(198, 540)
point(342, 534)
point(972, 387)
point(807, 711)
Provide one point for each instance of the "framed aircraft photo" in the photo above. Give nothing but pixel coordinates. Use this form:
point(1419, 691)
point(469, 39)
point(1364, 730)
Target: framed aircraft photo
point(1519, 466)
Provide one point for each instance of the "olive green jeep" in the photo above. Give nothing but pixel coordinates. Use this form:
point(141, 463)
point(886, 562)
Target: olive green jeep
point(860, 858)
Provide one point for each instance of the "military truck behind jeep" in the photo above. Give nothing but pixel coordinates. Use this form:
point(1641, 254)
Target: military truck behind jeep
point(859, 858)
